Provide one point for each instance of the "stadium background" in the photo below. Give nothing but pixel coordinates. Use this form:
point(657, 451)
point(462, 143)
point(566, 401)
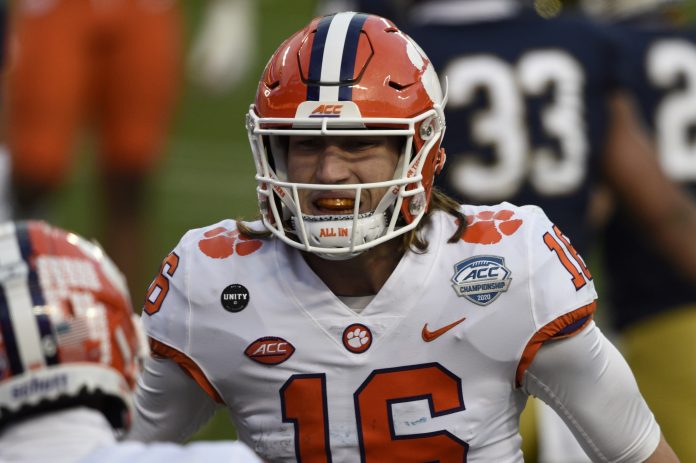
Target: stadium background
point(208, 172)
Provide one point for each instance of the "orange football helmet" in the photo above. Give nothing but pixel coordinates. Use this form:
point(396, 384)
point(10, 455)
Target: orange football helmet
point(347, 74)
point(68, 335)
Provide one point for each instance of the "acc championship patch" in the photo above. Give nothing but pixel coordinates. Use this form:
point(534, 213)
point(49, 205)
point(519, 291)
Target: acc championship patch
point(481, 279)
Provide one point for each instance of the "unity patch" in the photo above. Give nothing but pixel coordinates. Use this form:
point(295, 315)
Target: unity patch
point(481, 279)
point(234, 298)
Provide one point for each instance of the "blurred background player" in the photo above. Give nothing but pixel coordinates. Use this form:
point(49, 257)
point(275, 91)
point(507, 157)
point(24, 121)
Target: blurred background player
point(225, 48)
point(111, 66)
point(70, 353)
point(654, 305)
point(539, 117)
point(200, 175)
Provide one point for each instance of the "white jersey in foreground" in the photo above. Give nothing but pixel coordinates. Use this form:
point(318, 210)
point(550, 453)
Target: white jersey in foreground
point(83, 435)
point(430, 370)
point(161, 452)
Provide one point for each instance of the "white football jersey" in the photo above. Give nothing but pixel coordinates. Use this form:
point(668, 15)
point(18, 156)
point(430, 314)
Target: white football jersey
point(428, 371)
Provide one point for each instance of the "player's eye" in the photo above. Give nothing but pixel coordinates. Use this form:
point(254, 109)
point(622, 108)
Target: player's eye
point(361, 144)
point(305, 143)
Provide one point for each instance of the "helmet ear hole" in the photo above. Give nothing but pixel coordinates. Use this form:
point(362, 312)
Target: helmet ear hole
point(426, 129)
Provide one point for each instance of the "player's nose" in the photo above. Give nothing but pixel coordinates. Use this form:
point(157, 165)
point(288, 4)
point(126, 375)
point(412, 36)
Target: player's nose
point(333, 165)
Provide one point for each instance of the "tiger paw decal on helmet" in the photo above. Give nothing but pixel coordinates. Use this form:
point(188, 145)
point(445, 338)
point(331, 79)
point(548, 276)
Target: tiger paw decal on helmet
point(221, 242)
point(489, 227)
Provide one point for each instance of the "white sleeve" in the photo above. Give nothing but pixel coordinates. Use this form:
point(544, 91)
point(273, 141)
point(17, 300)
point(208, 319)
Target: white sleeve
point(589, 384)
point(556, 444)
point(161, 384)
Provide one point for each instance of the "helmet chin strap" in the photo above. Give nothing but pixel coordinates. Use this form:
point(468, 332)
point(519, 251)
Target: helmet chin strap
point(337, 231)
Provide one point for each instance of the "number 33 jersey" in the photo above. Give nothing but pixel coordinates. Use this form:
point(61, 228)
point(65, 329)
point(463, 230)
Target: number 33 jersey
point(428, 371)
point(528, 97)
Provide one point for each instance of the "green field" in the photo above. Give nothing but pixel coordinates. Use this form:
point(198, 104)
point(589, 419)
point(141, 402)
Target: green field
point(208, 172)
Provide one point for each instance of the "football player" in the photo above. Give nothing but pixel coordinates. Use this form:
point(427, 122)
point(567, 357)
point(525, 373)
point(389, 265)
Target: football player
point(70, 351)
point(654, 305)
point(366, 316)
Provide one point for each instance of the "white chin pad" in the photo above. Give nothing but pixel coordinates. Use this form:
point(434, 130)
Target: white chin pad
point(336, 231)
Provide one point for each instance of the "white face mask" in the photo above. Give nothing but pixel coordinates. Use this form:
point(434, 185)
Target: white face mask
point(340, 237)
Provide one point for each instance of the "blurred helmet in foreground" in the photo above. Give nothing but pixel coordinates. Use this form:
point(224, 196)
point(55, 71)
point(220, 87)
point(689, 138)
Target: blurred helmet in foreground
point(68, 336)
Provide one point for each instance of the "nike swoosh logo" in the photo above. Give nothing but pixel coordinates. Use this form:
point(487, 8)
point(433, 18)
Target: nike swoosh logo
point(432, 335)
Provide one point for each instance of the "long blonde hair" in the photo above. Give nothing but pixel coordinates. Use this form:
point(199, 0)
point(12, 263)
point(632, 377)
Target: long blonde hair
point(411, 240)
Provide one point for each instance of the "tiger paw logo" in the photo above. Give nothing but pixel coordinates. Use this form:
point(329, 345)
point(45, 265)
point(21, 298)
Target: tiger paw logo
point(221, 243)
point(357, 338)
point(489, 227)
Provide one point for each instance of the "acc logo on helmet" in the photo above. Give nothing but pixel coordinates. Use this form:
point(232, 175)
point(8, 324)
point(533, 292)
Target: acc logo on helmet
point(327, 110)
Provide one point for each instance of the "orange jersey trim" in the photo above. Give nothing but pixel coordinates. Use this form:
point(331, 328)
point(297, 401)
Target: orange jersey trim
point(549, 331)
point(187, 364)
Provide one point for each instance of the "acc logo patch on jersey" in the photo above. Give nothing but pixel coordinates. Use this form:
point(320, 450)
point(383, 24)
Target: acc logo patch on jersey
point(481, 279)
point(269, 350)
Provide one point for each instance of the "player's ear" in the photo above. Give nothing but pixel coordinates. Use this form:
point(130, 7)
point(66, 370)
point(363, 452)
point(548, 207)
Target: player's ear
point(440, 161)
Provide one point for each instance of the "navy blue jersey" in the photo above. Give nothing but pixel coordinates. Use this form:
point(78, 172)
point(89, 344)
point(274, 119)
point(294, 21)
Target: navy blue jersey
point(527, 111)
point(659, 67)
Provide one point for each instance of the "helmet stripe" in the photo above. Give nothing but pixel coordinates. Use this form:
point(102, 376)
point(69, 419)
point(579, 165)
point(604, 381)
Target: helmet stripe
point(18, 314)
point(43, 321)
point(333, 55)
point(350, 51)
point(8, 337)
point(45, 326)
point(332, 60)
point(315, 59)
point(27, 251)
point(11, 266)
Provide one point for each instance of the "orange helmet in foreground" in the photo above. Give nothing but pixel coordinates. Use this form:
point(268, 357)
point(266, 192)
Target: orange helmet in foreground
point(68, 336)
